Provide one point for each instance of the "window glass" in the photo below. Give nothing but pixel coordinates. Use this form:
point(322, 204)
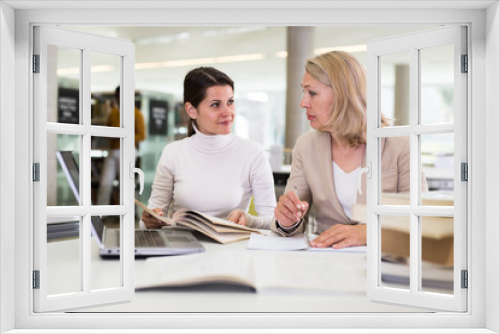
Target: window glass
point(395, 88)
point(61, 191)
point(63, 84)
point(437, 84)
point(395, 251)
point(104, 80)
point(64, 242)
point(437, 254)
point(395, 173)
point(437, 151)
point(105, 171)
point(106, 271)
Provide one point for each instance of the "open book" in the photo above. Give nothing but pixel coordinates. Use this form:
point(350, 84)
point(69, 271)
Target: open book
point(220, 230)
point(261, 271)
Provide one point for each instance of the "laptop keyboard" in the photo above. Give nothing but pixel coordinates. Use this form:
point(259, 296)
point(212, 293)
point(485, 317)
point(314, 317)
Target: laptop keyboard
point(148, 239)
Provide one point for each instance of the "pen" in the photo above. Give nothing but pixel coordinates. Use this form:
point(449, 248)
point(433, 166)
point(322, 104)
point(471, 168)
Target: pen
point(301, 206)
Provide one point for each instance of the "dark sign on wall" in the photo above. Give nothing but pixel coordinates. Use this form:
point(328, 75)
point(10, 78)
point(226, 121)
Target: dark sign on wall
point(68, 106)
point(158, 117)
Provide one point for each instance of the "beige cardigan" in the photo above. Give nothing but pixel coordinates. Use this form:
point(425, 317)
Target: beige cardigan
point(312, 176)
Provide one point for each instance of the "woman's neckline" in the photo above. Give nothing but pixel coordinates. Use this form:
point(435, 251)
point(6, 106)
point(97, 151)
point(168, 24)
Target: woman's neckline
point(211, 142)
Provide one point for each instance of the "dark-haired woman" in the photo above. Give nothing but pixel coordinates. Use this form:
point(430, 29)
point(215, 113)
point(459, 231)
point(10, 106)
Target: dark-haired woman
point(212, 170)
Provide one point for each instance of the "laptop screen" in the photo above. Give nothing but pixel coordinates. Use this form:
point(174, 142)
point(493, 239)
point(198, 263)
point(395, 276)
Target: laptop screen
point(71, 171)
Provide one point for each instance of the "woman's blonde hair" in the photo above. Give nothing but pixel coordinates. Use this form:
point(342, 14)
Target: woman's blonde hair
point(347, 78)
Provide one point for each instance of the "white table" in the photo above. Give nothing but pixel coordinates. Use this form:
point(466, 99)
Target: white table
point(218, 298)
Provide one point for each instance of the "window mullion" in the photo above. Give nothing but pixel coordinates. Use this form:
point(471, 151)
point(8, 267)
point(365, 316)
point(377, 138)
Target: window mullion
point(415, 246)
point(85, 168)
point(108, 132)
point(427, 129)
point(431, 211)
point(128, 156)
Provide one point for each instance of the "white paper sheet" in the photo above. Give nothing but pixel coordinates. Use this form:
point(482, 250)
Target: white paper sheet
point(263, 242)
point(299, 242)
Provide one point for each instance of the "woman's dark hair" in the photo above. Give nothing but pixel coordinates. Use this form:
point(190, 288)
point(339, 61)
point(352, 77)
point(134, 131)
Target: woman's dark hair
point(197, 82)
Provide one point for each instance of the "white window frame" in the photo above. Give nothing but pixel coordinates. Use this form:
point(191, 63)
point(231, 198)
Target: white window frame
point(413, 43)
point(484, 102)
point(88, 44)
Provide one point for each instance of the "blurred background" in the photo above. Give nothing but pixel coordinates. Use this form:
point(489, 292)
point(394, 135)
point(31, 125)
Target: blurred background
point(267, 65)
point(267, 90)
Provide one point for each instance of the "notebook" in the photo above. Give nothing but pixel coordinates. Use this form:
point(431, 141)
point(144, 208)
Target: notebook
point(147, 242)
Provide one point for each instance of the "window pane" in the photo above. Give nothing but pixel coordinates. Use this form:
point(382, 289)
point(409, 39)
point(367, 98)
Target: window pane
point(437, 254)
point(395, 251)
point(63, 84)
point(437, 84)
point(106, 274)
point(63, 255)
point(104, 79)
point(438, 168)
point(62, 182)
point(395, 88)
point(395, 172)
point(106, 171)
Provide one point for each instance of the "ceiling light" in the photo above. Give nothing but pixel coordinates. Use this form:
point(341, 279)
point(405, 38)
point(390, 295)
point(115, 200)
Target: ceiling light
point(346, 48)
point(165, 39)
point(146, 66)
point(187, 62)
point(76, 70)
point(233, 30)
point(232, 59)
point(281, 54)
point(201, 61)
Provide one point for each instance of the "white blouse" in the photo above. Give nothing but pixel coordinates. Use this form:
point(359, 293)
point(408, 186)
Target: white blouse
point(346, 185)
point(215, 174)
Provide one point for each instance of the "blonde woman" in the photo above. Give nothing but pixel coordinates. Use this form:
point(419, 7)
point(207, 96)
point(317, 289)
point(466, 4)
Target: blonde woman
point(326, 162)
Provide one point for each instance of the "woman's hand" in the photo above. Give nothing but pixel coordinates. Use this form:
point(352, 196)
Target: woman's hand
point(152, 222)
point(341, 236)
point(290, 209)
point(238, 217)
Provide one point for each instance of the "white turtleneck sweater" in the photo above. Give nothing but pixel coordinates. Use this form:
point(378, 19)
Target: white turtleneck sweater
point(215, 174)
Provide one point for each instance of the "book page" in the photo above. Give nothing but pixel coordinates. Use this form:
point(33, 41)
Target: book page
point(263, 271)
point(266, 242)
point(326, 272)
point(211, 220)
point(353, 249)
point(166, 220)
point(223, 238)
point(186, 270)
point(199, 221)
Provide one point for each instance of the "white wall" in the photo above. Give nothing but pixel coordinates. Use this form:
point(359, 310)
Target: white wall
point(7, 185)
point(492, 149)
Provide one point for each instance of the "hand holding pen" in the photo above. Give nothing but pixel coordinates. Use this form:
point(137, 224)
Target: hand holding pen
point(290, 209)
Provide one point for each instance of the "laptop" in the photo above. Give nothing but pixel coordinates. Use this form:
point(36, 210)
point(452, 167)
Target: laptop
point(147, 242)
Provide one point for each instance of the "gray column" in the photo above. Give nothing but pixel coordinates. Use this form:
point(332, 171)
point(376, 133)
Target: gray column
point(300, 46)
point(402, 94)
